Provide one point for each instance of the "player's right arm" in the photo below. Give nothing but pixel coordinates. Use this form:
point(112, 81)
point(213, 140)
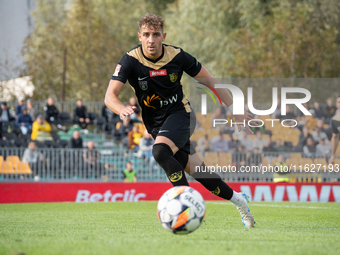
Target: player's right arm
point(113, 103)
point(334, 144)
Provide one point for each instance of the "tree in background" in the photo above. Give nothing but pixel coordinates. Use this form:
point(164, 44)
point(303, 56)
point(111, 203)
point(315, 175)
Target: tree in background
point(92, 34)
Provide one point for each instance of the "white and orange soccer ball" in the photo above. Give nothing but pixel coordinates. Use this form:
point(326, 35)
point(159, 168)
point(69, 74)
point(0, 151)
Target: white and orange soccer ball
point(181, 210)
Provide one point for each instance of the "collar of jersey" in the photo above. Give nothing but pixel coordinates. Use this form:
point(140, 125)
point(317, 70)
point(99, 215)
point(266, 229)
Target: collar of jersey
point(153, 60)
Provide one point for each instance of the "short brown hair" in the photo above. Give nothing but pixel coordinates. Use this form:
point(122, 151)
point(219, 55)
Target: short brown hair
point(151, 20)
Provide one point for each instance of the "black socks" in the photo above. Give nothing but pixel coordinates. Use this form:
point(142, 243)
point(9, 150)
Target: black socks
point(213, 183)
point(173, 169)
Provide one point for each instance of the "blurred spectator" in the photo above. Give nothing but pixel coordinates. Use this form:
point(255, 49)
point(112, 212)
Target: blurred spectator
point(110, 116)
point(18, 107)
point(268, 150)
point(277, 113)
point(204, 144)
point(302, 139)
point(31, 154)
point(134, 137)
point(51, 111)
point(327, 131)
point(145, 146)
point(24, 121)
point(309, 149)
point(306, 105)
point(31, 109)
point(245, 140)
point(318, 134)
point(91, 158)
point(129, 173)
point(41, 129)
point(217, 115)
point(219, 143)
point(5, 115)
point(76, 142)
point(254, 158)
point(289, 114)
point(80, 115)
point(123, 131)
point(233, 143)
point(239, 157)
point(111, 119)
point(258, 141)
point(323, 150)
point(318, 113)
point(282, 175)
point(280, 147)
point(330, 108)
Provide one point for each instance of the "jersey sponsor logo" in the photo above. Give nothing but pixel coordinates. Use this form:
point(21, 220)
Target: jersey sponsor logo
point(162, 103)
point(117, 70)
point(170, 100)
point(158, 73)
point(173, 77)
point(150, 99)
point(140, 79)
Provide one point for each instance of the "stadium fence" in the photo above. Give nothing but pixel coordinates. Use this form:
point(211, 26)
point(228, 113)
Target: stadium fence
point(65, 165)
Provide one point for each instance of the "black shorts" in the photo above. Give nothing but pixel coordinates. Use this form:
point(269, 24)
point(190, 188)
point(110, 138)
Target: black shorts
point(178, 127)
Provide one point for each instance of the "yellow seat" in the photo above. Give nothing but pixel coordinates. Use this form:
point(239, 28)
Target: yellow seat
point(7, 168)
point(211, 158)
point(15, 160)
point(321, 161)
point(225, 159)
point(23, 168)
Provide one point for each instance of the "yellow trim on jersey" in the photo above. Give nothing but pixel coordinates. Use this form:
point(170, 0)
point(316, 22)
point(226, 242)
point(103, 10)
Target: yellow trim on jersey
point(186, 104)
point(169, 53)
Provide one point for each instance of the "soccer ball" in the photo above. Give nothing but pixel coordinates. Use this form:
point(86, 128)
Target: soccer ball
point(181, 210)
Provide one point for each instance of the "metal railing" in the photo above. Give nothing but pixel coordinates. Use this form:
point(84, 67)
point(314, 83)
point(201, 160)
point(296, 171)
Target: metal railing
point(70, 165)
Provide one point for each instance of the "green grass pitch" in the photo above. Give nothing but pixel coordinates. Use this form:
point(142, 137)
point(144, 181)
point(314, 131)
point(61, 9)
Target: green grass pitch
point(133, 228)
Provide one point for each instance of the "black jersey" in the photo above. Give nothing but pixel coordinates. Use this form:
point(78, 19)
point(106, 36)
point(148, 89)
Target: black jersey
point(336, 124)
point(157, 82)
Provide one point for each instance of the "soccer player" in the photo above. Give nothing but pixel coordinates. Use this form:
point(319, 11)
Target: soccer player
point(336, 130)
point(154, 70)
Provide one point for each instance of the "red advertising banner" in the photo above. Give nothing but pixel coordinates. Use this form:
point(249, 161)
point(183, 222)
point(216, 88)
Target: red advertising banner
point(152, 191)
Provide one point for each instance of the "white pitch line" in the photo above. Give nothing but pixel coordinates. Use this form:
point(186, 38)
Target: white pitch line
point(287, 206)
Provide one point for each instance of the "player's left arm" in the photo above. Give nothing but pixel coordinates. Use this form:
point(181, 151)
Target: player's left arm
point(205, 77)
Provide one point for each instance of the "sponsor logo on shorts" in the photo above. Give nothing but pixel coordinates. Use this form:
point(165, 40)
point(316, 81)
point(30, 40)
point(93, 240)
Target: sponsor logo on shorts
point(175, 177)
point(158, 73)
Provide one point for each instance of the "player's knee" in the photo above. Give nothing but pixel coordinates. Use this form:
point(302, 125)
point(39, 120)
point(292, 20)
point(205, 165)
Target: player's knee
point(161, 151)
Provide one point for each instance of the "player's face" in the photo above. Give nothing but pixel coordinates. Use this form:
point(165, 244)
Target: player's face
point(151, 41)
